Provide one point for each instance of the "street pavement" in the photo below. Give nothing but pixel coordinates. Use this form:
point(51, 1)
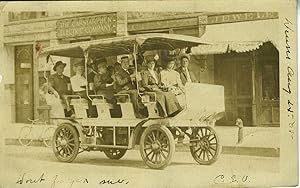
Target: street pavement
point(94, 169)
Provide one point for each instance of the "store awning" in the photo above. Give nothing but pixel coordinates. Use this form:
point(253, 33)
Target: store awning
point(227, 47)
point(238, 37)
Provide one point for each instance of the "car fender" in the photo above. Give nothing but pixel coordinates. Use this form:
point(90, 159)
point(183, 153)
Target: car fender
point(138, 130)
point(73, 123)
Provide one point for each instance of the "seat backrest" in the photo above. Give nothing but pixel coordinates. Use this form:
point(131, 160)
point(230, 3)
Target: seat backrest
point(103, 108)
point(80, 107)
point(78, 101)
point(148, 97)
point(126, 105)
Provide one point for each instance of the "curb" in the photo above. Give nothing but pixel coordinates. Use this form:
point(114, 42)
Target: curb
point(231, 150)
point(251, 151)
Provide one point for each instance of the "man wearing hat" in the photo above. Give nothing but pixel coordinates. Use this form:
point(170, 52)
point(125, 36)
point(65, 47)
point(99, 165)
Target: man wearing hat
point(123, 84)
point(185, 74)
point(61, 84)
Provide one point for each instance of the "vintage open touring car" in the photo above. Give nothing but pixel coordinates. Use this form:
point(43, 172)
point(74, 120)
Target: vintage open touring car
point(155, 136)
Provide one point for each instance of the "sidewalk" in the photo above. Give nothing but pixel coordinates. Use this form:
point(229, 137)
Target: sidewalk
point(257, 141)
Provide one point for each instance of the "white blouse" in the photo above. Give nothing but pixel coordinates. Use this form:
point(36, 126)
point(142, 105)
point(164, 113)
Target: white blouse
point(170, 78)
point(76, 82)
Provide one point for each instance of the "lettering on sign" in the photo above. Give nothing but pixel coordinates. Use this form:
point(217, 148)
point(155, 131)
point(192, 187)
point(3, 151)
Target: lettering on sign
point(86, 26)
point(242, 17)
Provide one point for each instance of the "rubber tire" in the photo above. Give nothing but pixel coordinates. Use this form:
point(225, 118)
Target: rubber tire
point(218, 150)
point(170, 138)
point(76, 143)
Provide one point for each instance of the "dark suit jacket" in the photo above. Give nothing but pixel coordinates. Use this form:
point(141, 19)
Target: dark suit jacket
point(90, 77)
point(123, 81)
point(183, 76)
point(60, 84)
point(100, 81)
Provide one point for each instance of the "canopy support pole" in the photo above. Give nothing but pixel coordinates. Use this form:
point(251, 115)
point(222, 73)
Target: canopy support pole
point(135, 51)
point(86, 57)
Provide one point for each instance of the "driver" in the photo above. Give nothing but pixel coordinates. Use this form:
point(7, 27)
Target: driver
point(186, 75)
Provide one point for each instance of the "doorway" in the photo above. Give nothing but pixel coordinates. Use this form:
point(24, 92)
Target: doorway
point(234, 72)
point(24, 83)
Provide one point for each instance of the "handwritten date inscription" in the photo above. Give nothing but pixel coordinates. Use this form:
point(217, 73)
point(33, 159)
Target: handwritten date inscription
point(290, 78)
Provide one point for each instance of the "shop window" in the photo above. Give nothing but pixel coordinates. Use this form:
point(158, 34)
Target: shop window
point(270, 80)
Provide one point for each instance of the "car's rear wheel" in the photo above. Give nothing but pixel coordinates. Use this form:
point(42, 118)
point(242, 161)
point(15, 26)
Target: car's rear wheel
point(114, 153)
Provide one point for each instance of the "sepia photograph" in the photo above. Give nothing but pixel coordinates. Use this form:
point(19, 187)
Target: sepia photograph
point(128, 97)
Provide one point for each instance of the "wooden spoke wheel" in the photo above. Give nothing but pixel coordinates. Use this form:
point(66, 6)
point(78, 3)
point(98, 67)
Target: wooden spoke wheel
point(65, 143)
point(205, 145)
point(114, 153)
point(157, 146)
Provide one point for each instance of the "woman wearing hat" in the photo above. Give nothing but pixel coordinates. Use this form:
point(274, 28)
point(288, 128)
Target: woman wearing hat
point(167, 101)
point(171, 81)
point(104, 83)
point(62, 85)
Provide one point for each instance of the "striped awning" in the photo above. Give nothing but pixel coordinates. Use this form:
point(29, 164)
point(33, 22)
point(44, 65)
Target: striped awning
point(227, 47)
point(239, 37)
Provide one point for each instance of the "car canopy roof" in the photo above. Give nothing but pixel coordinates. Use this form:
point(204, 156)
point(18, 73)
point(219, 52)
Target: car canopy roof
point(123, 45)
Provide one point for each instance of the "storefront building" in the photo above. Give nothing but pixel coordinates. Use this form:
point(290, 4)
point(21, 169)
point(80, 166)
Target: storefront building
point(242, 55)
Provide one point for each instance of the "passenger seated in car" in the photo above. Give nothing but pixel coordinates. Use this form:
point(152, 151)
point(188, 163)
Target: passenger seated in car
point(123, 84)
point(186, 75)
point(116, 68)
point(104, 83)
point(78, 81)
point(61, 84)
point(171, 81)
point(92, 69)
point(166, 100)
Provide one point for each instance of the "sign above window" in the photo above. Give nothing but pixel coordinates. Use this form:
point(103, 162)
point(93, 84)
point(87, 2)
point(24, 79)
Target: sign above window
point(86, 26)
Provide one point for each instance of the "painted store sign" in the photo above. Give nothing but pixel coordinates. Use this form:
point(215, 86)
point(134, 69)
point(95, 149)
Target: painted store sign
point(86, 26)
